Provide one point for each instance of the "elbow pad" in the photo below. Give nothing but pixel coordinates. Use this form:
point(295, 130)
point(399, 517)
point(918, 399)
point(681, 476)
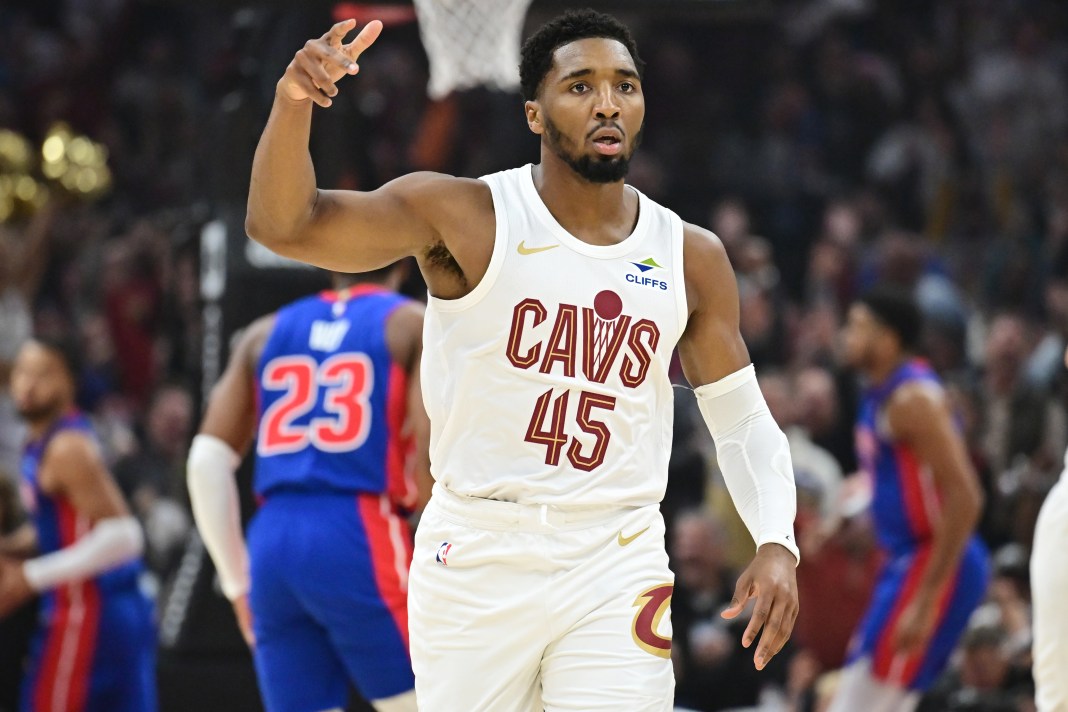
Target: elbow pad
point(754, 456)
point(110, 543)
point(217, 510)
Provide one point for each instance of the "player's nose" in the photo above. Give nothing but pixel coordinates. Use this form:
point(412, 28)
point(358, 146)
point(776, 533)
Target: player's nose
point(606, 106)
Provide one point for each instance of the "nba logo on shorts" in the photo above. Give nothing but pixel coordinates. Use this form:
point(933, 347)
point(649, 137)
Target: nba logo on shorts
point(443, 553)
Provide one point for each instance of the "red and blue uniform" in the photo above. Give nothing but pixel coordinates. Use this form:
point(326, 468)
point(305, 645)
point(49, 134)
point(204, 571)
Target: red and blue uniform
point(94, 650)
point(905, 511)
point(329, 548)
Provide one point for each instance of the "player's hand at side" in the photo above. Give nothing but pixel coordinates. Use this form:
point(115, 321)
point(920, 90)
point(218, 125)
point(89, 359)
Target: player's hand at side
point(317, 66)
point(14, 588)
point(244, 619)
point(771, 578)
point(915, 626)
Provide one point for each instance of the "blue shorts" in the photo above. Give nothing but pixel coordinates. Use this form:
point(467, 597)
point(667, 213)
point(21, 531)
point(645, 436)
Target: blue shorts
point(329, 599)
point(893, 591)
point(95, 650)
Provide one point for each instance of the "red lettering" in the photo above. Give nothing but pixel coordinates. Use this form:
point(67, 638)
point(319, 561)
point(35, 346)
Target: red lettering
point(515, 333)
point(562, 342)
point(633, 372)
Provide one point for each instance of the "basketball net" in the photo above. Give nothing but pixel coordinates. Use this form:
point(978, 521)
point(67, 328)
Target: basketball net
point(471, 43)
point(603, 332)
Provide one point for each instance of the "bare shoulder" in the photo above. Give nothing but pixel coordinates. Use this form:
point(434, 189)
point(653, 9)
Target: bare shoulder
point(250, 344)
point(916, 406)
point(71, 455)
point(921, 395)
point(708, 272)
point(72, 447)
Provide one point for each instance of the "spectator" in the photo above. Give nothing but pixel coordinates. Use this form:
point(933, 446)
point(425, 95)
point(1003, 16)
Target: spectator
point(152, 479)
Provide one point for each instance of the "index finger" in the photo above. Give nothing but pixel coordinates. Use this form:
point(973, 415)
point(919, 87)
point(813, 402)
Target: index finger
point(337, 33)
point(365, 39)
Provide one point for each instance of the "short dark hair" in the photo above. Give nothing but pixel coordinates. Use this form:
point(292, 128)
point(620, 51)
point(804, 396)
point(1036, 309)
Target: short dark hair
point(896, 309)
point(573, 25)
point(67, 349)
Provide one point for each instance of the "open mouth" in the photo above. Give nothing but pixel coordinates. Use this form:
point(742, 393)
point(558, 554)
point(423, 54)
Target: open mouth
point(607, 145)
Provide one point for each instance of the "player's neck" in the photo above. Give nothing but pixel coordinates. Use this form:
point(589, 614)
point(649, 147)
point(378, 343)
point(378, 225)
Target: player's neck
point(880, 372)
point(598, 213)
point(37, 427)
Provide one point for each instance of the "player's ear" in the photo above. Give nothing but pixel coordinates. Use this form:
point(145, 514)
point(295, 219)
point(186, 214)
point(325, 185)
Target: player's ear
point(533, 112)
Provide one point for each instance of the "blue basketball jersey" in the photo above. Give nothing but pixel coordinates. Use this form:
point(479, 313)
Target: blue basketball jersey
point(905, 504)
point(905, 510)
point(332, 402)
point(57, 523)
point(94, 650)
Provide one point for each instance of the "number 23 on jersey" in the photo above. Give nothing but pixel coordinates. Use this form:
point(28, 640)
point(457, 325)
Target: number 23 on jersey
point(339, 390)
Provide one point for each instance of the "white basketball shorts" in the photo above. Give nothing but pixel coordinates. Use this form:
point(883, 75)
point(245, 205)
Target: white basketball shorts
point(1049, 581)
point(522, 608)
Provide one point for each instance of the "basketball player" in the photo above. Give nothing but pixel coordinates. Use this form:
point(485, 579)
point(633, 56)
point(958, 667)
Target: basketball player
point(926, 505)
point(1049, 581)
point(94, 650)
point(329, 389)
point(557, 294)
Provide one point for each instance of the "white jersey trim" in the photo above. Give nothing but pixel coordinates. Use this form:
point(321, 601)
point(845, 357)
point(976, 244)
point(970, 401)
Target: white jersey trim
point(500, 248)
point(678, 230)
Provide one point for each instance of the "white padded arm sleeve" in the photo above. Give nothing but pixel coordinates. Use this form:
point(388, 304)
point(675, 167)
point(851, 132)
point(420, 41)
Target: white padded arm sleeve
point(753, 455)
point(111, 542)
point(217, 510)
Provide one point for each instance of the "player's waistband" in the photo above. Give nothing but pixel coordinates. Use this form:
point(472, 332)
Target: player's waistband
point(308, 492)
point(512, 516)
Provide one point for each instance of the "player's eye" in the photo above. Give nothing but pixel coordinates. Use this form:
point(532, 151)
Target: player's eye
point(627, 87)
point(579, 87)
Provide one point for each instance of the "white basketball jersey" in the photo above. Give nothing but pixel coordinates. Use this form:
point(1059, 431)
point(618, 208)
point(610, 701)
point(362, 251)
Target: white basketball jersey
point(548, 382)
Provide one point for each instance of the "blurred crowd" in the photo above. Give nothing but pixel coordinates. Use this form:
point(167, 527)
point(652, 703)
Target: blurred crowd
point(831, 144)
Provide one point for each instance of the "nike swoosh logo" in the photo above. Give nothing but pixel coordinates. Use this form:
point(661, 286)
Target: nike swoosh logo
point(624, 540)
point(524, 250)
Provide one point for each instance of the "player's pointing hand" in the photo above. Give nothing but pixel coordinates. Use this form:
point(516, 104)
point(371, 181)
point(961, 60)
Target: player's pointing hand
point(318, 65)
point(771, 579)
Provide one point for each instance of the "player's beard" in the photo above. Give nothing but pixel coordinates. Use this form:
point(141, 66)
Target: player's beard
point(38, 413)
point(595, 169)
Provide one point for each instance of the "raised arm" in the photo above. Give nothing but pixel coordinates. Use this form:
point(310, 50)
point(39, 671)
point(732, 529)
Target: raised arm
point(919, 415)
point(752, 451)
point(345, 231)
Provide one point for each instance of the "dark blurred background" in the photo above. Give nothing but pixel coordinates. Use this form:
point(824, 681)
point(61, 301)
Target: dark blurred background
point(829, 143)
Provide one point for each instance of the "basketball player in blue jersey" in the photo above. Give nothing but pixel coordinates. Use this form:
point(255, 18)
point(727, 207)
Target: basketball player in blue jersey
point(926, 505)
point(95, 648)
point(557, 294)
point(328, 387)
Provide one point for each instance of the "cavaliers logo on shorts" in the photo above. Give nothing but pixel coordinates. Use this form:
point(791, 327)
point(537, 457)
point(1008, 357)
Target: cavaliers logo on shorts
point(653, 604)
